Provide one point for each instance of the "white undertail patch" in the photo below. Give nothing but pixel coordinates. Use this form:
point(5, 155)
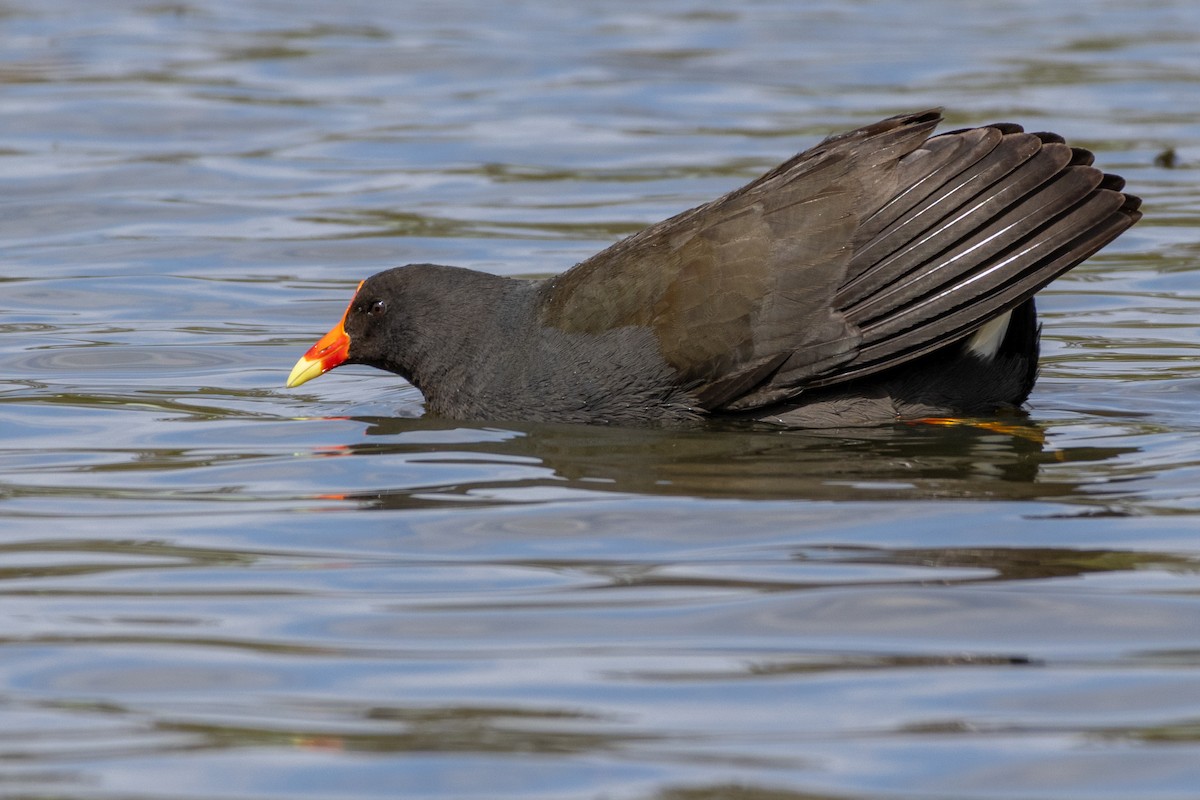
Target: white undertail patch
point(986, 341)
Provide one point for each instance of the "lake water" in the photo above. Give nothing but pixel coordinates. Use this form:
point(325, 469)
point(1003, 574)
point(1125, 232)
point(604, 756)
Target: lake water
point(211, 587)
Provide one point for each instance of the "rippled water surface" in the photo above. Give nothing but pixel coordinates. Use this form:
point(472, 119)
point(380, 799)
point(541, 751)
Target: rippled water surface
point(216, 588)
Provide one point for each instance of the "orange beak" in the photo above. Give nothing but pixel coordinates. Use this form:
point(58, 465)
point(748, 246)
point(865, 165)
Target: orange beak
point(330, 351)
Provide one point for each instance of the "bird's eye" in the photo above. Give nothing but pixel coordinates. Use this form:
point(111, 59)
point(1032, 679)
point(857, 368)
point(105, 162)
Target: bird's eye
point(373, 308)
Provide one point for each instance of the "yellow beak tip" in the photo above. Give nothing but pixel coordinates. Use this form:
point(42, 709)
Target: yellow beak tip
point(305, 370)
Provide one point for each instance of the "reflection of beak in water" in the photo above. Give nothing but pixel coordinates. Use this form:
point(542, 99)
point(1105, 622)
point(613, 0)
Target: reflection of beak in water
point(969, 459)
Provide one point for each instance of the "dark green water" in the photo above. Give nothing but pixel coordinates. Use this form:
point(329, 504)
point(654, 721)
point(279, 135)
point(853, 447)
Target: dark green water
point(211, 587)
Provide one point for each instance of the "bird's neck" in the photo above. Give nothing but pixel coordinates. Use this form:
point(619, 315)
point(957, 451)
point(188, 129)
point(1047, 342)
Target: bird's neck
point(471, 347)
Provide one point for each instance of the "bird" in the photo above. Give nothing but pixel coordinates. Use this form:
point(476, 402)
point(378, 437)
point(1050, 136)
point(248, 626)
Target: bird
point(887, 274)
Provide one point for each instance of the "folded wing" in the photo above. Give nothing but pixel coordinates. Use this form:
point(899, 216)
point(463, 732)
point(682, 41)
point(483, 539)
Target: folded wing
point(869, 250)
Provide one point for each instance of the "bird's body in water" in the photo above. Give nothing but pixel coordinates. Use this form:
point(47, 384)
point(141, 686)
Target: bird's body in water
point(885, 274)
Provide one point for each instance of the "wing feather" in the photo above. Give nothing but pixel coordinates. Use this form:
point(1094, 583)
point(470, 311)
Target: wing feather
point(873, 248)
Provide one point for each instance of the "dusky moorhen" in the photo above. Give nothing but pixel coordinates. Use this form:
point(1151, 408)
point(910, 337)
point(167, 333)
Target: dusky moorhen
point(885, 274)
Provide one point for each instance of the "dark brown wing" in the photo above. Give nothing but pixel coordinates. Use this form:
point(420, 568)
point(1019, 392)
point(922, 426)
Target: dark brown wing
point(735, 288)
point(869, 250)
point(971, 241)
